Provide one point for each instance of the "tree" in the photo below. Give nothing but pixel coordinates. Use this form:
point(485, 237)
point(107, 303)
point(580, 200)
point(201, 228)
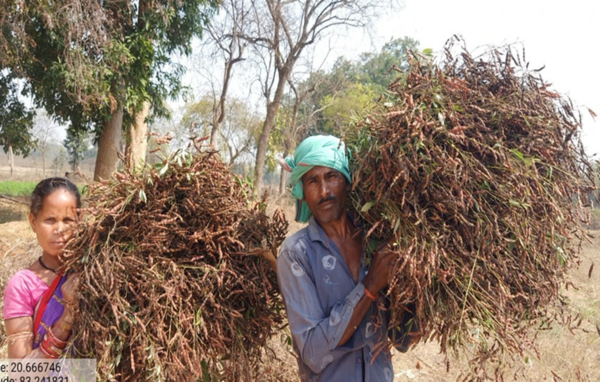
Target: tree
point(16, 121)
point(342, 108)
point(377, 68)
point(43, 132)
point(239, 127)
point(294, 122)
point(76, 145)
point(59, 161)
point(349, 89)
point(327, 102)
point(225, 37)
point(279, 32)
point(102, 65)
point(239, 131)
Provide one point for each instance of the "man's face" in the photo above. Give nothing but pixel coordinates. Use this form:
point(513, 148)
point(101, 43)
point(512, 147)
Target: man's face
point(325, 191)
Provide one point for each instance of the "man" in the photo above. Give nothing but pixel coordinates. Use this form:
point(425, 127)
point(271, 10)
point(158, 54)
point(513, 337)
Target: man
point(329, 291)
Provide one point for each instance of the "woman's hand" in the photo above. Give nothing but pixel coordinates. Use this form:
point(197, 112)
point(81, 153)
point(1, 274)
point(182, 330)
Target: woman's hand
point(70, 288)
point(70, 291)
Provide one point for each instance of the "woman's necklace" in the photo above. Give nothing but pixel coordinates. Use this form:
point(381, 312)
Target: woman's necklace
point(45, 266)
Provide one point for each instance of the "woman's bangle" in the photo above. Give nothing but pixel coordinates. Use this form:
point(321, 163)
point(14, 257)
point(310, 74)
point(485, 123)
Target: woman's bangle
point(12, 339)
point(55, 341)
point(48, 350)
point(370, 295)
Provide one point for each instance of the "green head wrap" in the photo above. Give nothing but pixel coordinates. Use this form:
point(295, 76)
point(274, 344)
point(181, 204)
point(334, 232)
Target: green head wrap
point(318, 150)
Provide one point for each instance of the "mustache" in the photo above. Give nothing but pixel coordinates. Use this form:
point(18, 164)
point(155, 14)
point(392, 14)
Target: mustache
point(327, 199)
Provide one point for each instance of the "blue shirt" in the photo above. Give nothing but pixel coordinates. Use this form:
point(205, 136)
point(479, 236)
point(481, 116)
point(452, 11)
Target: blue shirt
point(320, 295)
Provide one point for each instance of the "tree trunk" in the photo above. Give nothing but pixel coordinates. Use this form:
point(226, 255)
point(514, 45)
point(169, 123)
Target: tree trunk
point(219, 109)
point(44, 163)
point(138, 132)
point(214, 134)
point(283, 178)
point(263, 146)
point(11, 159)
point(108, 145)
point(290, 139)
point(263, 141)
point(138, 137)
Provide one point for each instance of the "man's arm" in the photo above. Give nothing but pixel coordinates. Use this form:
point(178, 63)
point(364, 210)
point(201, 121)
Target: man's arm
point(374, 282)
point(316, 333)
point(320, 336)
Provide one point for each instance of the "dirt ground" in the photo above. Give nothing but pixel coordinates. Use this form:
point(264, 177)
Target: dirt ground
point(565, 356)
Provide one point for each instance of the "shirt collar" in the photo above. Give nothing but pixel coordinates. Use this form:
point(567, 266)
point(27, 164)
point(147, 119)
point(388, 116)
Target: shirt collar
point(317, 233)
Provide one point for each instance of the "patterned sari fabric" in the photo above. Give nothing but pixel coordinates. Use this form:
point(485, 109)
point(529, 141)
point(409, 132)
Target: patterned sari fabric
point(48, 310)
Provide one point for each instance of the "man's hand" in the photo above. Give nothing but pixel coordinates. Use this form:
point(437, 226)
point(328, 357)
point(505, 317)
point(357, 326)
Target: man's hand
point(379, 272)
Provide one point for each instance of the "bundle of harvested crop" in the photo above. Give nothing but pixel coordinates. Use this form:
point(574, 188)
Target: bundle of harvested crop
point(175, 279)
point(477, 167)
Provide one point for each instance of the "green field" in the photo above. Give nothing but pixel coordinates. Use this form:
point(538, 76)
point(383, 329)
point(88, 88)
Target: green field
point(16, 188)
point(21, 188)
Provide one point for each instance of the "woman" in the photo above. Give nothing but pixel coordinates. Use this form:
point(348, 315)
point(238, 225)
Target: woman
point(39, 301)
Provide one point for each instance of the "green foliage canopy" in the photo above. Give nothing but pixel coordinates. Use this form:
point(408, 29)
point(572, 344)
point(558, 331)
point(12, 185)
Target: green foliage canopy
point(83, 58)
point(349, 89)
point(75, 143)
point(16, 120)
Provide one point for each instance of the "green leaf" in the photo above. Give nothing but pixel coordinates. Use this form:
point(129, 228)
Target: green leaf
point(397, 225)
point(515, 203)
point(198, 318)
point(367, 206)
point(205, 372)
point(142, 196)
point(562, 256)
point(518, 154)
point(164, 169)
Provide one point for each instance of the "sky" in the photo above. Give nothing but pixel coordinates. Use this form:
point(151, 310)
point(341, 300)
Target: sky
point(562, 35)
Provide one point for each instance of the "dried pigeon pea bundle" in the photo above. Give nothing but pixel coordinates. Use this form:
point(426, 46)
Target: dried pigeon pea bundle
point(175, 279)
point(477, 168)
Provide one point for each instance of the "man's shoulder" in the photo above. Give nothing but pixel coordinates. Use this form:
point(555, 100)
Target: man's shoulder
point(297, 241)
point(296, 255)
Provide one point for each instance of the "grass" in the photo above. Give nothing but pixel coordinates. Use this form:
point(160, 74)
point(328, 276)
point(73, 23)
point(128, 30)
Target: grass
point(16, 188)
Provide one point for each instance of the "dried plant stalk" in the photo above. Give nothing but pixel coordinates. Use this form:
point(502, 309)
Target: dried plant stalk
point(175, 284)
point(478, 168)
